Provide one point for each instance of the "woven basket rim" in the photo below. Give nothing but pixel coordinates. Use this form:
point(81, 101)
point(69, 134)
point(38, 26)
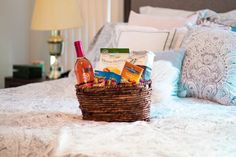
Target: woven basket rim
point(119, 86)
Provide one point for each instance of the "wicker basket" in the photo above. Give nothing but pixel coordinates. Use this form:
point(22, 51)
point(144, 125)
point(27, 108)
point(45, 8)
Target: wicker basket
point(120, 103)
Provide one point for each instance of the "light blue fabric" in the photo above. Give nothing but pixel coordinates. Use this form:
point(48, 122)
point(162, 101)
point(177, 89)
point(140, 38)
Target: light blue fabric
point(174, 56)
point(233, 29)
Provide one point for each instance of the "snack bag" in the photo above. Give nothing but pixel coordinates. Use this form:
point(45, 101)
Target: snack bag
point(145, 60)
point(108, 76)
point(131, 73)
point(112, 59)
point(112, 69)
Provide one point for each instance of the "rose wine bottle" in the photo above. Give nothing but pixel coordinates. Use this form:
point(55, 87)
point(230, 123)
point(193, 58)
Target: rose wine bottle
point(83, 68)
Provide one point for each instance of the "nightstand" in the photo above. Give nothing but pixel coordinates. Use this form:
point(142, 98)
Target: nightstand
point(15, 82)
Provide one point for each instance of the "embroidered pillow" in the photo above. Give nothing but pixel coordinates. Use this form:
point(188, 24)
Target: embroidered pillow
point(209, 67)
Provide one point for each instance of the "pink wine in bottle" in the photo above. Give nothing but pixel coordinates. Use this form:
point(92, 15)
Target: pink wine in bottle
point(83, 68)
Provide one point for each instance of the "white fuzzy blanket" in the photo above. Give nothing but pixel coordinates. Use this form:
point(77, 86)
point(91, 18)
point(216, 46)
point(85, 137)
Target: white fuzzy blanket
point(44, 120)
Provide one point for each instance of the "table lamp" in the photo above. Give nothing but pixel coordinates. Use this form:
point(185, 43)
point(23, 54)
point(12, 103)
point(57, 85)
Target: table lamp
point(55, 15)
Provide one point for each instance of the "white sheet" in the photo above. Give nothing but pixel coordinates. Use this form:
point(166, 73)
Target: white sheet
point(44, 119)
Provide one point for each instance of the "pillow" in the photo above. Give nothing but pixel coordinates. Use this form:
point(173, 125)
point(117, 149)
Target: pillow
point(233, 29)
point(165, 74)
point(164, 11)
point(159, 22)
point(102, 39)
point(138, 38)
point(178, 38)
point(227, 18)
point(150, 21)
point(209, 68)
point(230, 14)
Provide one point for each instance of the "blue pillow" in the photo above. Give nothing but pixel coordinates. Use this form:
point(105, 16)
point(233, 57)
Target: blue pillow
point(174, 56)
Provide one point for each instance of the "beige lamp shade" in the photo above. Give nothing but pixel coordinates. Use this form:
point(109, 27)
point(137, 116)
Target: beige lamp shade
point(56, 15)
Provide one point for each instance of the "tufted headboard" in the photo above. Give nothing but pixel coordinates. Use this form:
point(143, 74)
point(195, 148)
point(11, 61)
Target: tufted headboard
point(192, 5)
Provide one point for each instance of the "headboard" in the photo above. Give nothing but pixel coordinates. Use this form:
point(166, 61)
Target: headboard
point(192, 5)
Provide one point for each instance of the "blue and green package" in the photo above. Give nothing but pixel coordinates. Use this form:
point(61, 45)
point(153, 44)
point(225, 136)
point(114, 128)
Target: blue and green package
point(108, 75)
point(115, 76)
point(102, 74)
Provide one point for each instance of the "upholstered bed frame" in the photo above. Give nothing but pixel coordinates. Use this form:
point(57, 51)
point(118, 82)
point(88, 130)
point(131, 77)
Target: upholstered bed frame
point(193, 5)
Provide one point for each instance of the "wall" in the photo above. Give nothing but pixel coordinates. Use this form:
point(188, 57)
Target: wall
point(38, 49)
point(117, 10)
point(14, 35)
point(21, 45)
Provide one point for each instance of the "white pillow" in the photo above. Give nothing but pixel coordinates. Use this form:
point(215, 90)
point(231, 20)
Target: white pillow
point(150, 21)
point(228, 15)
point(159, 22)
point(179, 37)
point(164, 11)
point(138, 38)
point(228, 18)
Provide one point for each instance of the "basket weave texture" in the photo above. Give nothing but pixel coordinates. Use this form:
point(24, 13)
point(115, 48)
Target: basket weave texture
point(120, 103)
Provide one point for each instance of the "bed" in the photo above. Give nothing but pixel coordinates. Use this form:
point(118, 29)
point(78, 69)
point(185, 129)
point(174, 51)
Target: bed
point(43, 119)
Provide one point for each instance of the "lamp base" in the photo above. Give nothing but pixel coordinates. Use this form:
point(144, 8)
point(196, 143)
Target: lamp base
point(55, 43)
point(54, 75)
point(55, 69)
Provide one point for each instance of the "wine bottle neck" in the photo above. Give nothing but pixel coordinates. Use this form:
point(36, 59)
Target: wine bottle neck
point(79, 49)
point(80, 57)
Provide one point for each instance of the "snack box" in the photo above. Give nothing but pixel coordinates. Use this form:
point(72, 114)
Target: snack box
point(145, 60)
point(131, 73)
point(112, 57)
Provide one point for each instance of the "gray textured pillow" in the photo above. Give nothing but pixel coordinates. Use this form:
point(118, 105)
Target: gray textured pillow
point(209, 67)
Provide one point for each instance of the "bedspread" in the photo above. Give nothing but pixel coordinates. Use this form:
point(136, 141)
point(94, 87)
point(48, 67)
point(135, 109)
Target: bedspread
point(43, 119)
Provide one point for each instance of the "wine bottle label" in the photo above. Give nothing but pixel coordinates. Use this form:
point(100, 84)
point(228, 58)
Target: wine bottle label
point(86, 77)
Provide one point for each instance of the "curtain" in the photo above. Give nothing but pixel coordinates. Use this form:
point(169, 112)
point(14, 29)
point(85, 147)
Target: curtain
point(95, 13)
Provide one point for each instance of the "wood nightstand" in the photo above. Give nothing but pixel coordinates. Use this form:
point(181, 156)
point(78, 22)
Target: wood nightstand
point(15, 82)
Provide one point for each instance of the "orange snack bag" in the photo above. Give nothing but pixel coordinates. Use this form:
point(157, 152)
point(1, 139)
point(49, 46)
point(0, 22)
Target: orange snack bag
point(132, 72)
